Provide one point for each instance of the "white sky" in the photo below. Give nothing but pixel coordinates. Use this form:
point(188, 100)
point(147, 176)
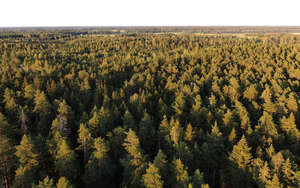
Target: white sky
point(148, 12)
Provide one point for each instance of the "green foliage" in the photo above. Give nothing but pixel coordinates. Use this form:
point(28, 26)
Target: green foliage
point(85, 140)
point(241, 154)
point(180, 173)
point(7, 159)
point(63, 183)
point(27, 157)
point(65, 161)
point(46, 183)
point(99, 169)
point(115, 111)
point(152, 179)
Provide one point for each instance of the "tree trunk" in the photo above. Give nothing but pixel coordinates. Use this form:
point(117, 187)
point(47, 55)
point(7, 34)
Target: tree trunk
point(5, 182)
point(222, 179)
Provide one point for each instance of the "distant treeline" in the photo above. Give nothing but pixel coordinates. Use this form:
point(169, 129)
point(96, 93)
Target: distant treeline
point(149, 110)
point(156, 29)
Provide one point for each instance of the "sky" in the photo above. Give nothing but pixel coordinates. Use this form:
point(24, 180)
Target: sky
point(148, 12)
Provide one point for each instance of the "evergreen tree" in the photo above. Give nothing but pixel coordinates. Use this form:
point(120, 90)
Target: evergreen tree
point(198, 179)
point(63, 183)
point(28, 163)
point(7, 159)
point(288, 174)
point(274, 183)
point(288, 125)
point(189, 133)
point(240, 157)
point(180, 173)
point(41, 103)
point(176, 132)
point(65, 161)
point(147, 133)
point(250, 93)
point(46, 183)
point(134, 163)
point(94, 124)
point(129, 121)
point(6, 129)
point(264, 175)
point(99, 169)
point(152, 178)
point(85, 140)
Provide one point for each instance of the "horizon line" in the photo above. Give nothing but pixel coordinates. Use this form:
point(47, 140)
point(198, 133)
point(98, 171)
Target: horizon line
point(149, 26)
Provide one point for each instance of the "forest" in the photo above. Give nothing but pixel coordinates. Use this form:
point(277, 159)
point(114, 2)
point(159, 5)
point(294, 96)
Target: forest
point(149, 110)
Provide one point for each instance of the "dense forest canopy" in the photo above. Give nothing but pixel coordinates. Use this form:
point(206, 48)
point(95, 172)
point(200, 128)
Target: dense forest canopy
point(148, 110)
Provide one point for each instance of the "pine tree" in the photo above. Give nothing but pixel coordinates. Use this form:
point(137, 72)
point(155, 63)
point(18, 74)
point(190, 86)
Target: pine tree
point(128, 121)
point(240, 158)
point(160, 161)
point(267, 94)
point(28, 159)
point(132, 146)
point(292, 103)
point(164, 129)
point(274, 183)
point(270, 107)
point(7, 159)
point(228, 117)
point(276, 162)
point(250, 93)
point(41, 103)
point(60, 123)
point(288, 125)
point(180, 173)
point(179, 104)
point(264, 175)
point(232, 136)
point(99, 169)
point(241, 154)
point(270, 151)
point(85, 140)
point(65, 161)
point(266, 125)
point(6, 129)
point(63, 183)
point(176, 132)
point(64, 109)
point(134, 162)
point(243, 115)
point(288, 174)
point(198, 179)
point(9, 99)
point(152, 178)
point(94, 124)
point(46, 183)
point(189, 133)
point(29, 91)
point(147, 133)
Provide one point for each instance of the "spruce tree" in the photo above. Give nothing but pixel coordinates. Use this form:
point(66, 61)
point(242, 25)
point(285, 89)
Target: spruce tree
point(240, 158)
point(134, 165)
point(65, 161)
point(46, 183)
point(152, 178)
point(28, 160)
point(63, 183)
point(180, 174)
point(85, 140)
point(99, 169)
point(160, 161)
point(189, 133)
point(7, 159)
